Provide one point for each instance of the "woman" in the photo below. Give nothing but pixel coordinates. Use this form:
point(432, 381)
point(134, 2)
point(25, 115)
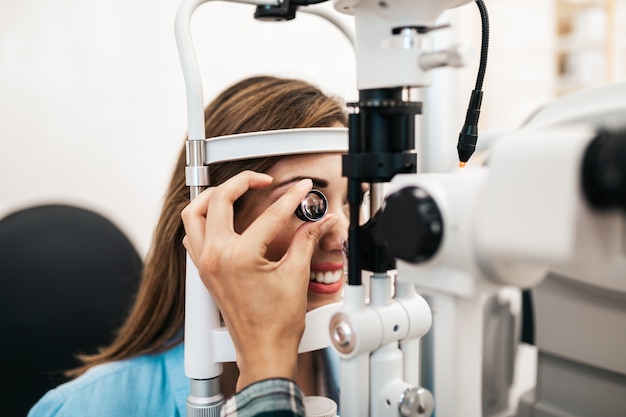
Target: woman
point(141, 372)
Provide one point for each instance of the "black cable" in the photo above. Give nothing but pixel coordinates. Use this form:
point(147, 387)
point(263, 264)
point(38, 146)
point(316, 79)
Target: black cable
point(484, 47)
point(469, 133)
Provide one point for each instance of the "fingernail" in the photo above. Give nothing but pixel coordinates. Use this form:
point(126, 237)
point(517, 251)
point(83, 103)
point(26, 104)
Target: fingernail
point(307, 181)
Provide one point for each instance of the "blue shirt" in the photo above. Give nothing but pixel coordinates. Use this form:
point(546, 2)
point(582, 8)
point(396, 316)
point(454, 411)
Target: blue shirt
point(148, 385)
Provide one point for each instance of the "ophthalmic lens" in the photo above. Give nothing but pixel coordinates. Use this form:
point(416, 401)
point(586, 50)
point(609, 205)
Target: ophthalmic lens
point(312, 207)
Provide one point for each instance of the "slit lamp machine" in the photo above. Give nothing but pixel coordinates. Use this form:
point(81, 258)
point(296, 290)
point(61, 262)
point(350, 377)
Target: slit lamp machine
point(437, 335)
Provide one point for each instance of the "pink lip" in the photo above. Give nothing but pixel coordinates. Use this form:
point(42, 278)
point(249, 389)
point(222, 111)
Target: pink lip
point(321, 288)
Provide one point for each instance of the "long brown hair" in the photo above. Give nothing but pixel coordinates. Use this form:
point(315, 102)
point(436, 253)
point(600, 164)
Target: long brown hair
point(254, 104)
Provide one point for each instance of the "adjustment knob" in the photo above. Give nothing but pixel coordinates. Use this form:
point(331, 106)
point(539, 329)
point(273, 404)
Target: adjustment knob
point(411, 225)
point(416, 402)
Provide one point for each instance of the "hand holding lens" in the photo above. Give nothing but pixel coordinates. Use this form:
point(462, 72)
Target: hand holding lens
point(312, 207)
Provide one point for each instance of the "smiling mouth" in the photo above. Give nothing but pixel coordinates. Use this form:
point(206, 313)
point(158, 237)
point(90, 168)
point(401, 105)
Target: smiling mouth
point(327, 277)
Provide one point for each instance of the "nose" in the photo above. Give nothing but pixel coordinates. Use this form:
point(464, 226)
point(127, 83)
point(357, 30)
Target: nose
point(334, 238)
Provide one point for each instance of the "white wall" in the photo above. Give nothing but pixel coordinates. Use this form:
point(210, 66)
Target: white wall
point(92, 99)
point(522, 61)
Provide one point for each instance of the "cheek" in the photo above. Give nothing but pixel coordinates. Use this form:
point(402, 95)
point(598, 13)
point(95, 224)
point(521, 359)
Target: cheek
point(277, 249)
point(247, 209)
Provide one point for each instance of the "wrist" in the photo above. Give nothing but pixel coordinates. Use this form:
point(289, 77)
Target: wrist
point(261, 365)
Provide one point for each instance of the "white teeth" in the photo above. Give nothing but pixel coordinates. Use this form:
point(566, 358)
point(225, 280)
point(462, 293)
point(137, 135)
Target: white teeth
point(327, 277)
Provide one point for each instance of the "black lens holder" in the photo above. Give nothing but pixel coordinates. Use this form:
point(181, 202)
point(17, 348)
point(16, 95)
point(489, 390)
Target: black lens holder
point(312, 207)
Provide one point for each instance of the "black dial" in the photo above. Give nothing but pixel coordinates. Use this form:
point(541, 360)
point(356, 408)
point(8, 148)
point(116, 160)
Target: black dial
point(411, 225)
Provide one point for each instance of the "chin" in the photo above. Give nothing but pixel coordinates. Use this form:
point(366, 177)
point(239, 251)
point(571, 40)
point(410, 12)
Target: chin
point(316, 300)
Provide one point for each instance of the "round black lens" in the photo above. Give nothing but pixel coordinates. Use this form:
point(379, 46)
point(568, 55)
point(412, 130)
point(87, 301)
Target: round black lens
point(312, 207)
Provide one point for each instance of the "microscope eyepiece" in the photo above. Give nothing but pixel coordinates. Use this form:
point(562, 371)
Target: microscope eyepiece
point(312, 207)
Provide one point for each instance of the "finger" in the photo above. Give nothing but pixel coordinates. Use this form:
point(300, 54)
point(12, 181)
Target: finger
point(199, 204)
point(186, 243)
point(194, 221)
point(189, 248)
point(220, 213)
point(194, 215)
point(306, 239)
point(265, 227)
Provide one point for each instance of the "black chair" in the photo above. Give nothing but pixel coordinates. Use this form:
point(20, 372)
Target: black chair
point(68, 278)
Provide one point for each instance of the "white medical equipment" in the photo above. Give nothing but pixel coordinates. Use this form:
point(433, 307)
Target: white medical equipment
point(207, 343)
point(474, 232)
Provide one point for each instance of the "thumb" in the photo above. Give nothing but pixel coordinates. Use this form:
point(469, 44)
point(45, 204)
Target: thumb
point(306, 239)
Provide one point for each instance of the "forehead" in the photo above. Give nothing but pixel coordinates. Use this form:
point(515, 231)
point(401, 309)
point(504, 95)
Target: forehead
point(325, 165)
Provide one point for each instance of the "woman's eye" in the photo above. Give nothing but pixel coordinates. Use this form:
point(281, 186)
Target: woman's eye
point(365, 195)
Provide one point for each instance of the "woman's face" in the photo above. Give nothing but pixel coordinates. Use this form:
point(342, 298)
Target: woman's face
point(327, 278)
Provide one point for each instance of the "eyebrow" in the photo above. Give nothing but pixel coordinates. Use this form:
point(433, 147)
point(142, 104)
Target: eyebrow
point(317, 182)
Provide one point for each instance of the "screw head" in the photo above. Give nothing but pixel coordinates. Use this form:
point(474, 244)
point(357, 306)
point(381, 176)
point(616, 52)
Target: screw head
point(416, 402)
point(342, 334)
